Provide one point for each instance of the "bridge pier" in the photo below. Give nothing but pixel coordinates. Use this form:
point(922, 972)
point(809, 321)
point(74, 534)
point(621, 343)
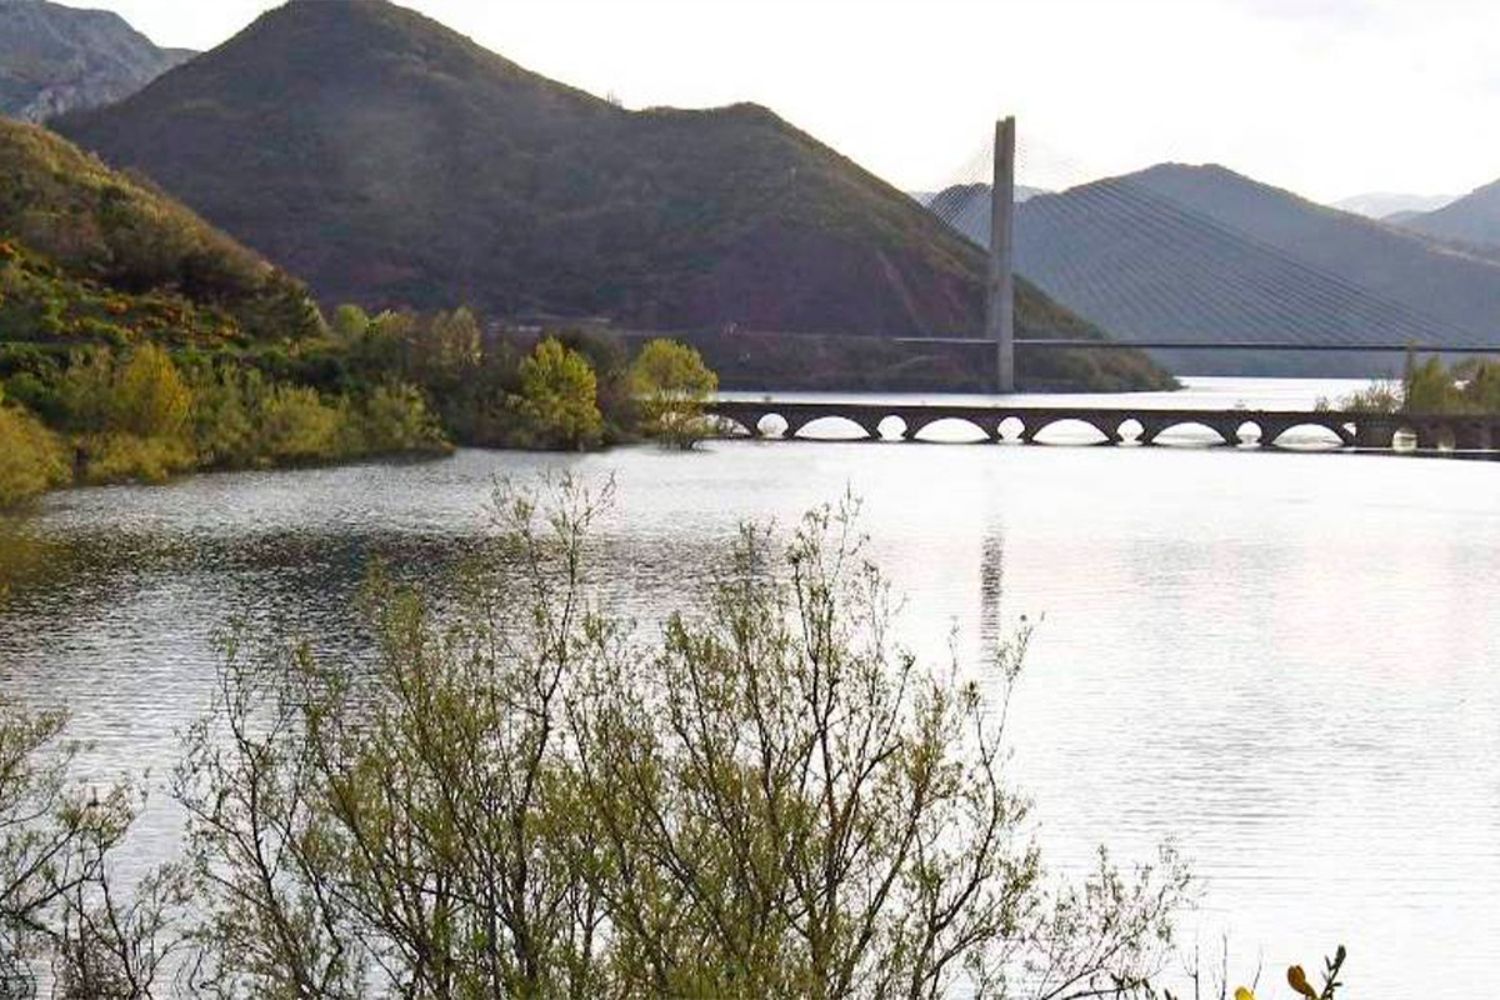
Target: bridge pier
point(1375, 431)
point(1477, 435)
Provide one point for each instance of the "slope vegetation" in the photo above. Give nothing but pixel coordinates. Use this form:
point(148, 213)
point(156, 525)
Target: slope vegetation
point(88, 254)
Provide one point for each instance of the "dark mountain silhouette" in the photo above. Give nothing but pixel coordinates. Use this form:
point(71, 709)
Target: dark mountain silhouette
point(1473, 219)
point(1193, 253)
point(390, 161)
point(55, 59)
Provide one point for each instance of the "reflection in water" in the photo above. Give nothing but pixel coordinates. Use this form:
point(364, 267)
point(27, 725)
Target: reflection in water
point(991, 586)
point(1287, 662)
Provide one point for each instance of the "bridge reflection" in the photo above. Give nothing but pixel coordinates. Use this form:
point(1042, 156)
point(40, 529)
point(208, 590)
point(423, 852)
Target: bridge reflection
point(1122, 425)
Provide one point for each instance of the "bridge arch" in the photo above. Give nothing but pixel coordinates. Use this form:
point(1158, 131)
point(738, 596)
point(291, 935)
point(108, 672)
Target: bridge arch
point(771, 424)
point(973, 430)
point(1327, 434)
point(851, 429)
point(1073, 430)
point(735, 426)
point(1129, 431)
point(1012, 430)
point(1250, 432)
point(1153, 430)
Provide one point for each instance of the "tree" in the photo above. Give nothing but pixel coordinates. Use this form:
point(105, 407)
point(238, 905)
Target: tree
point(558, 397)
point(151, 400)
point(57, 896)
point(671, 385)
point(349, 324)
point(32, 459)
point(789, 804)
point(516, 797)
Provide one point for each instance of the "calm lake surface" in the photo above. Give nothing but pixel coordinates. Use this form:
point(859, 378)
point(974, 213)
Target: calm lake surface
point(1290, 663)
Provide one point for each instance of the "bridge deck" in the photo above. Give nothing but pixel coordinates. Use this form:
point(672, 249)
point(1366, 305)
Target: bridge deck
point(1078, 343)
point(1372, 431)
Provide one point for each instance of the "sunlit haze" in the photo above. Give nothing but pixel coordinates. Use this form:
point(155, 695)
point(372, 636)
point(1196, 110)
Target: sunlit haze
point(1329, 98)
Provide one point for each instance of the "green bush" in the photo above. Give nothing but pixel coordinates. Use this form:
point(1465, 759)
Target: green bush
point(296, 426)
point(558, 402)
point(115, 456)
point(32, 458)
point(226, 400)
point(671, 385)
point(391, 419)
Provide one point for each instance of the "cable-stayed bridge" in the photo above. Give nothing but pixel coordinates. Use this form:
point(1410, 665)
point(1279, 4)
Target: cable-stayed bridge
point(1158, 272)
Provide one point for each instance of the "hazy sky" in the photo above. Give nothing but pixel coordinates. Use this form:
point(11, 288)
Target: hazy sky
point(1328, 97)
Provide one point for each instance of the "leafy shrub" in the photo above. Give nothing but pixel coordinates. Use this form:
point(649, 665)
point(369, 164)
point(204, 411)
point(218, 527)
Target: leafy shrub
point(296, 425)
point(391, 419)
point(769, 799)
point(32, 459)
point(149, 397)
point(114, 457)
point(558, 399)
point(671, 384)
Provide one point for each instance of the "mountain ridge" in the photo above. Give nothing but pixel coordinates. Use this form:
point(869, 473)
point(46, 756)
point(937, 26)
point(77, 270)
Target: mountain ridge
point(1473, 219)
point(391, 161)
point(55, 59)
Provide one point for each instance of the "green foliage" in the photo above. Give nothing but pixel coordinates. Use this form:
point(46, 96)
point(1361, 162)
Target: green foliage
point(115, 457)
point(671, 385)
point(349, 323)
point(42, 303)
point(149, 397)
point(1430, 387)
point(394, 419)
point(1379, 397)
point(131, 415)
point(57, 890)
point(140, 416)
point(558, 398)
point(515, 797)
point(298, 426)
point(32, 458)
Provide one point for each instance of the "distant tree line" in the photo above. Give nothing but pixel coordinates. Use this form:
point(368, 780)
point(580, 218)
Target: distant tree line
point(1470, 387)
point(394, 383)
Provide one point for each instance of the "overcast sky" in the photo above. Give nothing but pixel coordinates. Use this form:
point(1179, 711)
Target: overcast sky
point(1327, 97)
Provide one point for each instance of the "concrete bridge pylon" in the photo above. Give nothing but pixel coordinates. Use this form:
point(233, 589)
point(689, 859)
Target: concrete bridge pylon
point(1000, 304)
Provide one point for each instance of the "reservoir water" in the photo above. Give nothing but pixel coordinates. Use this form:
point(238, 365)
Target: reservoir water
point(1288, 663)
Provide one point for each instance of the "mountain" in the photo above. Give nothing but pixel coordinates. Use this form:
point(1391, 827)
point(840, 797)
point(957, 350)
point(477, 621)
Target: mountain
point(1387, 204)
point(1179, 252)
point(89, 255)
point(55, 59)
point(391, 161)
point(1438, 283)
point(1473, 219)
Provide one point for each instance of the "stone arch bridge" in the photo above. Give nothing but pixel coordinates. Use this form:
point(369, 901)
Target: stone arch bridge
point(1120, 425)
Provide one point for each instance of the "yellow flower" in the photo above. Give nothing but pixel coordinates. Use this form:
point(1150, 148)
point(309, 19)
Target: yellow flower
point(1243, 994)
